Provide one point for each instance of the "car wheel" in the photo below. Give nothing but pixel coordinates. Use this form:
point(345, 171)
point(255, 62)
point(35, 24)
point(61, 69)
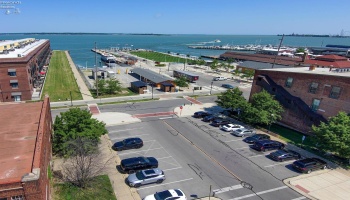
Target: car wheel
point(154, 167)
point(160, 181)
point(137, 185)
point(131, 171)
point(309, 171)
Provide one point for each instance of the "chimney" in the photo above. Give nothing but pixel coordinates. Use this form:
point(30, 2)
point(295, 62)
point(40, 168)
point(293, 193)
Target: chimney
point(312, 67)
point(304, 57)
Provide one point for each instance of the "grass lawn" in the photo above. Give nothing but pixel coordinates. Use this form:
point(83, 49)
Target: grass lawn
point(125, 92)
point(101, 190)
point(60, 79)
point(158, 57)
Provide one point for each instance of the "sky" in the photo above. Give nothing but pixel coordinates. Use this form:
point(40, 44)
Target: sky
point(219, 17)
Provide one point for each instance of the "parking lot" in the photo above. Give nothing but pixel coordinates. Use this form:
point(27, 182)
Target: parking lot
point(189, 169)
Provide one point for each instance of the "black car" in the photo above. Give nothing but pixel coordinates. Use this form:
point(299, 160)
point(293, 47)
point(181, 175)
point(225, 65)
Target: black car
point(308, 165)
point(219, 122)
point(284, 154)
point(256, 137)
point(200, 114)
point(131, 165)
point(267, 145)
point(130, 143)
point(208, 118)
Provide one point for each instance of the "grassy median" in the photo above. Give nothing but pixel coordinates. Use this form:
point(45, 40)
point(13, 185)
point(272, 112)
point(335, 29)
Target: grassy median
point(158, 57)
point(60, 82)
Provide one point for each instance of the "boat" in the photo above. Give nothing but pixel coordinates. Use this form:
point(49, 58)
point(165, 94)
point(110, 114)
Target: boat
point(107, 58)
point(217, 40)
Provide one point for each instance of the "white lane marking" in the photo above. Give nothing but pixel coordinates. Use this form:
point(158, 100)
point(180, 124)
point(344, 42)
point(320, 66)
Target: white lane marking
point(165, 184)
point(119, 138)
point(281, 163)
point(117, 131)
point(226, 189)
point(148, 141)
point(171, 169)
point(136, 152)
point(166, 117)
point(164, 157)
point(299, 198)
point(243, 148)
point(257, 156)
point(170, 155)
point(259, 193)
point(234, 140)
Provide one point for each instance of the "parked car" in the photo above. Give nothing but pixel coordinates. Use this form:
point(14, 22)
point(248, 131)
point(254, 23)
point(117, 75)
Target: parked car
point(172, 194)
point(242, 132)
point(308, 165)
point(209, 118)
point(219, 78)
point(144, 177)
point(256, 137)
point(228, 86)
point(267, 145)
point(284, 154)
point(200, 114)
point(231, 127)
point(129, 143)
point(131, 165)
point(219, 122)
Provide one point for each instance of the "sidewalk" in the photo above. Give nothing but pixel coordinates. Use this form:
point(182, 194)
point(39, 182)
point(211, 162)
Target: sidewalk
point(85, 92)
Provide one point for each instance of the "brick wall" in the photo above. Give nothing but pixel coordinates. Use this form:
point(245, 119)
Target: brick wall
point(300, 88)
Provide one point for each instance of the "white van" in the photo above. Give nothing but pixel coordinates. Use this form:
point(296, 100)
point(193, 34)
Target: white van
point(219, 78)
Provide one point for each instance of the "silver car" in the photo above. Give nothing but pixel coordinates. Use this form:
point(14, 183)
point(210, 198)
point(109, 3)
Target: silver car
point(242, 132)
point(147, 176)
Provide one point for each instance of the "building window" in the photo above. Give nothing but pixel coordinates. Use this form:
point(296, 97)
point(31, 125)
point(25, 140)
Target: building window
point(14, 85)
point(19, 197)
point(313, 87)
point(12, 73)
point(335, 92)
point(315, 104)
point(16, 97)
point(289, 82)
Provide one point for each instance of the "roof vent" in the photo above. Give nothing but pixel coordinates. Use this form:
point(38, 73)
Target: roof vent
point(19, 55)
point(312, 67)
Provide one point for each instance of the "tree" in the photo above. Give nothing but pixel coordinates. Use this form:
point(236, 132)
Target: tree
point(248, 74)
point(113, 86)
point(72, 124)
point(334, 136)
point(214, 65)
point(101, 84)
point(264, 109)
point(232, 99)
point(181, 81)
point(300, 50)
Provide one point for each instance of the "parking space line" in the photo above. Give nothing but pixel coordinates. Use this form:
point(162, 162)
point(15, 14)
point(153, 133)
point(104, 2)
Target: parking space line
point(170, 155)
point(165, 184)
point(226, 189)
point(299, 198)
point(148, 141)
point(172, 169)
point(164, 158)
point(117, 131)
point(234, 140)
point(281, 163)
point(242, 148)
point(259, 193)
point(137, 152)
point(259, 155)
point(119, 138)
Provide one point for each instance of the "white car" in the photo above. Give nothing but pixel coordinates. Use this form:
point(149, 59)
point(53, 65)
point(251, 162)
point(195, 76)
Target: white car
point(167, 195)
point(231, 127)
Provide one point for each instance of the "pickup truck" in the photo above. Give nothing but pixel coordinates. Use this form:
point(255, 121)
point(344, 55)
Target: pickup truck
point(219, 78)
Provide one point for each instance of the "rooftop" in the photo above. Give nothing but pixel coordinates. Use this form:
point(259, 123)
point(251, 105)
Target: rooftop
point(18, 133)
point(306, 70)
point(260, 65)
point(22, 52)
point(151, 75)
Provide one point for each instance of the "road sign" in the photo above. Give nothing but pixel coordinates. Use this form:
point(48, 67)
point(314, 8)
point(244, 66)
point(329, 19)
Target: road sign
point(181, 107)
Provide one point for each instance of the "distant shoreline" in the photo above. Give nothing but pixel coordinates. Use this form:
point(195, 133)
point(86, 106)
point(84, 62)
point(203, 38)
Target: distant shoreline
point(312, 35)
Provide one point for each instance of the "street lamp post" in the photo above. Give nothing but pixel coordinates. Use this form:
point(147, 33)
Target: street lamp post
point(152, 90)
point(211, 87)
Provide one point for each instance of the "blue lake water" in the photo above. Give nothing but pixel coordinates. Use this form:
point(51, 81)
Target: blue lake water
point(80, 46)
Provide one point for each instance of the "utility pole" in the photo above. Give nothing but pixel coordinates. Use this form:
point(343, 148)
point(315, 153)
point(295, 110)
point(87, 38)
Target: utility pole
point(279, 46)
point(96, 74)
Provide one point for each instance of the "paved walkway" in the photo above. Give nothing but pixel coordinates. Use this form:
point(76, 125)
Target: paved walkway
point(85, 92)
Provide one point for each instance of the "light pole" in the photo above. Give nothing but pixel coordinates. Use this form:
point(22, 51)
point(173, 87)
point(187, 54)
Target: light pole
point(152, 90)
point(211, 87)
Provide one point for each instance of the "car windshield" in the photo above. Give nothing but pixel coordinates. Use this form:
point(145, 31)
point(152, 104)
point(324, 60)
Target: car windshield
point(140, 176)
point(162, 195)
point(280, 152)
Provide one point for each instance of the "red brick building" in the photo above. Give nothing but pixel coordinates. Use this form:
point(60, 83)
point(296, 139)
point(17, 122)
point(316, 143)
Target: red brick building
point(25, 150)
point(309, 94)
point(21, 68)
